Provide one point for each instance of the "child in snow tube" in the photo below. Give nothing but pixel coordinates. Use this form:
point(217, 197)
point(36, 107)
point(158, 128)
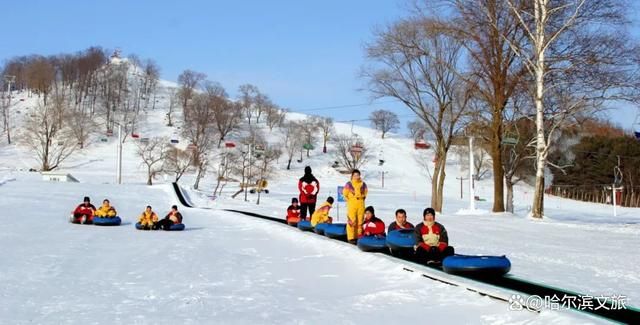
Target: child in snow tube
point(432, 239)
point(84, 212)
point(372, 225)
point(106, 210)
point(321, 215)
point(148, 219)
point(172, 218)
point(293, 212)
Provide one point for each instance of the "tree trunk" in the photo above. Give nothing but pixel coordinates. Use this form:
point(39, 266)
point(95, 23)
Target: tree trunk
point(201, 171)
point(149, 176)
point(509, 185)
point(541, 153)
point(289, 164)
point(496, 157)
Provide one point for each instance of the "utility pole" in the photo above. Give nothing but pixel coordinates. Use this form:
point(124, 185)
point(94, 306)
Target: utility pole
point(9, 80)
point(461, 186)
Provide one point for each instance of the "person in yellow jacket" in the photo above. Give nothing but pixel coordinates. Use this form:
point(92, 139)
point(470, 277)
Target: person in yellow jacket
point(106, 210)
point(355, 192)
point(148, 219)
point(321, 215)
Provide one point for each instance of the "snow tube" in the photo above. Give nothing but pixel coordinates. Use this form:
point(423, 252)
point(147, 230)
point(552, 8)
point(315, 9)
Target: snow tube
point(372, 243)
point(139, 226)
point(176, 227)
point(401, 239)
point(305, 225)
point(479, 266)
point(336, 230)
point(79, 221)
point(113, 221)
point(319, 229)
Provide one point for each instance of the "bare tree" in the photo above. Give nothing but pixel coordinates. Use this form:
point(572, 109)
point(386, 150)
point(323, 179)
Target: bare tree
point(48, 134)
point(275, 116)
point(226, 116)
point(416, 129)
point(199, 129)
point(228, 159)
point(481, 160)
point(346, 156)
point(41, 76)
point(81, 125)
point(178, 161)
point(292, 140)
point(247, 98)
point(189, 81)
point(151, 76)
point(309, 127)
point(326, 126)
point(417, 64)
point(173, 100)
point(578, 57)
point(384, 121)
point(265, 165)
point(153, 153)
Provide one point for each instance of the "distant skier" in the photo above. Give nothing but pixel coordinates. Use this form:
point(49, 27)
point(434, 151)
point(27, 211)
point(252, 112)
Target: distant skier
point(84, 212)
point(293, 212)
point(355, 192)
point(172, 218)
point(372, 225)
point(432, 239)
point(309, 187)
point(401, 221)
point(106, 210)
point(322, 214)
point(148, 219)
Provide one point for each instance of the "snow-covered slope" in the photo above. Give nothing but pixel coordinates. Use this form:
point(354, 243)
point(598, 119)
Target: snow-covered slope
point(226, 262)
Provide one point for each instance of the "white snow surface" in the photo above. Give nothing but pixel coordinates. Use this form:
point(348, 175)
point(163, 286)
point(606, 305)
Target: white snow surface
point(229, 268)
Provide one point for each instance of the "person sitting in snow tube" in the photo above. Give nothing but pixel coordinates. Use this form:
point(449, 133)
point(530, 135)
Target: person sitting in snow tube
point(148, 220)
point(172, 218)
point(293, 212)
point(321, 215)
point(84, 212)
point(432, 239)
point(106, 210)
point(401, 221)
point(372, 225)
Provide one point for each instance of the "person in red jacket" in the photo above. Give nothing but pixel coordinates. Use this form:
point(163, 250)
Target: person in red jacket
point(172, 218)
point(372, 225)
point(432, 239)
point(84, 212)
point(293, 212)
point(309, 187)
point(401, 221)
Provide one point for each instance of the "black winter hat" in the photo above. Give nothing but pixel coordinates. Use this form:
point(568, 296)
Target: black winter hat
point(175, 207)
point(307, 170)
point(429, 211)
point(370, 209)
point(294, 200)
point(330, 200)
point(86, 199)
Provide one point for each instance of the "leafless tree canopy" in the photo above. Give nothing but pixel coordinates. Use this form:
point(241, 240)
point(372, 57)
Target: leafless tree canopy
point(153, 153)
point(48, 133)
point(384, 121)
point(346, 156)
point(417, 61)
point(178, 161)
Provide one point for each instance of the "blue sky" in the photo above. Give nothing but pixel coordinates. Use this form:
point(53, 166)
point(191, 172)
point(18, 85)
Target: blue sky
point(304, 54)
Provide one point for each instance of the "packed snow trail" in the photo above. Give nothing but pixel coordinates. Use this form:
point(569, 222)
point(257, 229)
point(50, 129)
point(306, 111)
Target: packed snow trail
point(223, 268)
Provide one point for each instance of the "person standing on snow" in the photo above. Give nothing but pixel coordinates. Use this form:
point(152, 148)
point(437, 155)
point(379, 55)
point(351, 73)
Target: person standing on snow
point(372, 225)
point(309, 187)
point(432, 239)
point(355, 192)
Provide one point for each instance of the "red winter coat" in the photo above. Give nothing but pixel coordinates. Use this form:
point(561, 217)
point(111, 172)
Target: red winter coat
point(84, 209)
point(436, 233)
point(373, 227)
point(293, 213)
point(309, 188)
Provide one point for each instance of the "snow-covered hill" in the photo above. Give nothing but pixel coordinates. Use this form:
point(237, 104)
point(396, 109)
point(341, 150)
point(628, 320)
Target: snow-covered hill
point(233, 269)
